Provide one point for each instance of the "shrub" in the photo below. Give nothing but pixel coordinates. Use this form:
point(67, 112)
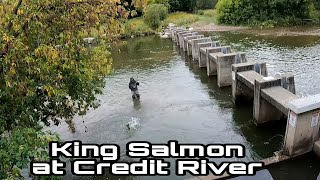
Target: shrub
point(182, 5)
point(250, 12)
point(164, 2)
point(201, 12)
point(206, 4)
point(155, 14)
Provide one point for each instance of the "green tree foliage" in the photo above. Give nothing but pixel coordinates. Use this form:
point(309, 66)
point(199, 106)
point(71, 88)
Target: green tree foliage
point(182, 5)
point(164, 2)
point(21, 146)
point(135, 7)
point(47, 75)
point(256, 11)
point(155, 14)
point(206, 4)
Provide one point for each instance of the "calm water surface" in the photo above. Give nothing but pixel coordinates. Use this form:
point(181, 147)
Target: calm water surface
point(179, 102)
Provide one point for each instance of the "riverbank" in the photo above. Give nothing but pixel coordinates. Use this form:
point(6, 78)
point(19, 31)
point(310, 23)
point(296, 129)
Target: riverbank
point(277, 31)
point(205, 21)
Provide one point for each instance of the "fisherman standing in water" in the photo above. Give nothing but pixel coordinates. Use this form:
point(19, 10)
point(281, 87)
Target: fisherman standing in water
point(133, 86)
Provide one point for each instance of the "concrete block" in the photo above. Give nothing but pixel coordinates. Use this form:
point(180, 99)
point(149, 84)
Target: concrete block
point(302, 132)
point(211, 54)
point(243, 85)
point(287, 82)
point(263, 111)
point(187, 43)
point(174, 35)
point(224, 70)
point(181, 38)
point(212, 63)
point(181, 35)
point(305, 104)
point(203, 52)
point(195, 46)
point(178, 34)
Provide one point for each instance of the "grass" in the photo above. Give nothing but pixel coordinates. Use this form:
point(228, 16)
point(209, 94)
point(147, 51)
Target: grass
point(137, 27)
point(181, 18)
point(209, 16)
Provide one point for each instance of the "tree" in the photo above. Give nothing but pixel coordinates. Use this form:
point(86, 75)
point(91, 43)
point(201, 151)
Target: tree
point(164, 2)
point(135, 7)
point(155, 14)
point(182, 5)
point(47, 75)
point(250, 12)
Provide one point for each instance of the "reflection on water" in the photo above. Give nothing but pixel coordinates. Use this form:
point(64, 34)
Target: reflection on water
point(179, 102)
point(299, 55)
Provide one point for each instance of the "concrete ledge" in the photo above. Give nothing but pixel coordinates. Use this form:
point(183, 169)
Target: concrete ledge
point(305, 104)
point(248, 77)
point(279, 97)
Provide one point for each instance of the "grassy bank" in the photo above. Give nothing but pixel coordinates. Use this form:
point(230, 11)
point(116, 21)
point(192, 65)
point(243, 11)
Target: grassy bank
point(137, 27)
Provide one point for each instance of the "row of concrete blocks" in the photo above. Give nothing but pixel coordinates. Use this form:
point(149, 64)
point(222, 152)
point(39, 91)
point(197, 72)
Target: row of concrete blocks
point(273, 97)
point(217, 59)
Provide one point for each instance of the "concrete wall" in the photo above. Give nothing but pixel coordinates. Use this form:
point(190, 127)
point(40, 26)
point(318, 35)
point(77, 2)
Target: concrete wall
point(224, 64)
point(302, 126)
point(178, 35)
point(195, 46)
point(203, 55)
point(211, 54)
point(187, 38)
point(263, 111)
point(181, 37)
point(241, 91)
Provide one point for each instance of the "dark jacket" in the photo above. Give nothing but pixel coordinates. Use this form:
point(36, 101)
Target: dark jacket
point(133, 85)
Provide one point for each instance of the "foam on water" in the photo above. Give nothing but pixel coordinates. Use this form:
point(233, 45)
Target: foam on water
point(133, 124)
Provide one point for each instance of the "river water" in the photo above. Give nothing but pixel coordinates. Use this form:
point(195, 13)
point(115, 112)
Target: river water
point(179, 102)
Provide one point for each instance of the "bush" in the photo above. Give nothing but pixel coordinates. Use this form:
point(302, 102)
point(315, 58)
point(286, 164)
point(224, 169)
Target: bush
point(251, 12)
point(182, 5)
point(155, 14)
point(200, 12)
point(206, 4)
point(164, 2)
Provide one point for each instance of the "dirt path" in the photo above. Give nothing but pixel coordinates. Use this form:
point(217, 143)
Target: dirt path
point(284, 31)
point(211, 27)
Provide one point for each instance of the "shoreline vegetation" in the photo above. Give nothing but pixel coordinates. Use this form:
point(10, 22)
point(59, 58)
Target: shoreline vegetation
point(208, 23)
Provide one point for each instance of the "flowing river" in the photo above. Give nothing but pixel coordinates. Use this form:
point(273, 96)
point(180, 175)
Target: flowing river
point(179, 102)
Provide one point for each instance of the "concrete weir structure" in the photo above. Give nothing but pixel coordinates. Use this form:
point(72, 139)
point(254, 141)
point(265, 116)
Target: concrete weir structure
point(187, 43)
point(181, 36)
point(204, 49)
point(273, 97)
point(302, 134)
point(195, 46)
point(211, 57)
point(178, 35)
point(174, 33)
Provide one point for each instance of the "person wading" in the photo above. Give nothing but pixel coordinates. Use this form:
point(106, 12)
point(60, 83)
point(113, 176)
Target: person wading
point(133, 86)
